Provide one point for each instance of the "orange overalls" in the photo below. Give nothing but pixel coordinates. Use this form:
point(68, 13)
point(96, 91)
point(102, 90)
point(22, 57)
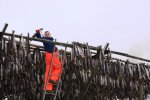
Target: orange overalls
point(55, 70)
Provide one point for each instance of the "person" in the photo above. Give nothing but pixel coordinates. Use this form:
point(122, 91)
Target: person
point(56, 65)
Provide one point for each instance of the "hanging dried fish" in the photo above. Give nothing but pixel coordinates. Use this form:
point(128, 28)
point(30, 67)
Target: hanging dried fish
point(85, 76)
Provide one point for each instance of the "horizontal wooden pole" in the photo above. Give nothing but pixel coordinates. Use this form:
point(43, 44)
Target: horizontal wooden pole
point(4, 28)
point(129, 56)
point(40, 40)
point(32, 46)
point(70, 45)
point(124, 61)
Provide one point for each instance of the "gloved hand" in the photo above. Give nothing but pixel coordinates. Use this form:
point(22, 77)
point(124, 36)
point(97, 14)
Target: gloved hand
point(38, 30)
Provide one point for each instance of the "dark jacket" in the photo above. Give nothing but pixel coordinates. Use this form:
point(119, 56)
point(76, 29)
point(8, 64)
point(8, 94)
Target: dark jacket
point(49, 47)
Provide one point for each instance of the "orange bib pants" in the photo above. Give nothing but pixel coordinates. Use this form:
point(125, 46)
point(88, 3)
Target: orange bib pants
point(54, 71)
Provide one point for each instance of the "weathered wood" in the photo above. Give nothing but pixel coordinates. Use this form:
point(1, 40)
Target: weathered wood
point(124, 61)
point(141, 91)
point(118, 53)
point(3, 30)
point(37, 46)
point(83, 45)
point(130, 56)
point(40, 40)
point(32, 46)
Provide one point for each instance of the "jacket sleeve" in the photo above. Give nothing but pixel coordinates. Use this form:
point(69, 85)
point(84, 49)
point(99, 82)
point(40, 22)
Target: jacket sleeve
point(37, 35)
point(51, 38)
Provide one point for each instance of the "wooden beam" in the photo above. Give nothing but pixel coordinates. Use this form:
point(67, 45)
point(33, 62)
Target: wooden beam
point(3, 31)
point(141, 91)
point(5, 27)
point(40, 40)
point(130, 56)
point(83, 45)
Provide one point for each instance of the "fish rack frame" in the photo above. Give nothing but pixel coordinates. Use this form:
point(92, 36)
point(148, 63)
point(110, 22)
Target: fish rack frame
point(3, 33)
point(69, 45)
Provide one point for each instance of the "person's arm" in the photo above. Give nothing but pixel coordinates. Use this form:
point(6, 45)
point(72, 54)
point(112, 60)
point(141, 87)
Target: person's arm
point(51, 38)
point(37, 34)
point(34, 35)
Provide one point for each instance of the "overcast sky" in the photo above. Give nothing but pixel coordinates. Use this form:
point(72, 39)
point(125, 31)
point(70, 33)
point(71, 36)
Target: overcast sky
point(125, 24)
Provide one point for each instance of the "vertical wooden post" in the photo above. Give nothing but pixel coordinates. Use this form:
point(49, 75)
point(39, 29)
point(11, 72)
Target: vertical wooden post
point(141, 91)
point(130, 96)
point(5, 27)
point(3, 30)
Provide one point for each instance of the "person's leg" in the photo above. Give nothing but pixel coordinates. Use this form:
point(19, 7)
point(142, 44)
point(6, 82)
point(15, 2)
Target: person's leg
point(47, 61)
point(55, 74)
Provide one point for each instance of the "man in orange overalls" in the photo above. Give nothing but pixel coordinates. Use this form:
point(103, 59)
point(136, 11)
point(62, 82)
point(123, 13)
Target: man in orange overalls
point(56, 65)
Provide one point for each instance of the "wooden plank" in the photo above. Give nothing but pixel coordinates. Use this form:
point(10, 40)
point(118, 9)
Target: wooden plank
point(83, 45)
point(130, 56)
point(3, 30)
point(40, 40)
point(5, 27)
point(141, 91)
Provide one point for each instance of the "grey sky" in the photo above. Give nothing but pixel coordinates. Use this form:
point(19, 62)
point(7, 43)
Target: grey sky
point(125, 24)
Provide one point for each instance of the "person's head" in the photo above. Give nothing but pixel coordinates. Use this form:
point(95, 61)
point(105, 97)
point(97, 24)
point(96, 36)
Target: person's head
point(47, 34)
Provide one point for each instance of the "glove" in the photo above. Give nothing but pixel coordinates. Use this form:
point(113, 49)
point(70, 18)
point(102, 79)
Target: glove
point(37, 30)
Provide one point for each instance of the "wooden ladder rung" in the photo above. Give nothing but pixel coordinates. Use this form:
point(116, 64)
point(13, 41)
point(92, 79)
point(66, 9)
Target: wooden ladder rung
point(55, 74)
point(57, 64)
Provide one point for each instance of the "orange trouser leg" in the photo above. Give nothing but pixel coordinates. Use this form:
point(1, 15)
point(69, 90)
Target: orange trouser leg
point(55, 73)
point(55, 70)
point(47, 61)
